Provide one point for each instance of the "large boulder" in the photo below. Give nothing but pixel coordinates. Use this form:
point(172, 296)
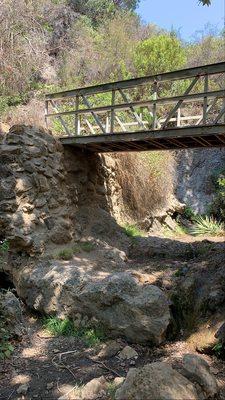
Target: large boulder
point(197, 370)
point(127, 308)
point(11, 313)
point(193, 381)
point(156, 381)
point(120, 302)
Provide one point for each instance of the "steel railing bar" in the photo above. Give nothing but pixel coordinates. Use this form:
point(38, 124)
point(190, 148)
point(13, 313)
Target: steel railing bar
point(145, 103)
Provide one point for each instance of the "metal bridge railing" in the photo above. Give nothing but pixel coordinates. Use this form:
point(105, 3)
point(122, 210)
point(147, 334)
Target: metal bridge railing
point(189, 97)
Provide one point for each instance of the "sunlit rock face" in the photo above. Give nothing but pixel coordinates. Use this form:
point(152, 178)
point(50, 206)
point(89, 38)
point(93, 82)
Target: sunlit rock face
point(42, 185)
point(196, 173)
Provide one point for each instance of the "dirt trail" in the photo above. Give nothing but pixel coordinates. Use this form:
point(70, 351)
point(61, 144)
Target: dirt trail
point(36, 360)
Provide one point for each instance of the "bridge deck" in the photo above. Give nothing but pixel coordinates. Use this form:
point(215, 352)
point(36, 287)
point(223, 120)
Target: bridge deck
point(167, 139)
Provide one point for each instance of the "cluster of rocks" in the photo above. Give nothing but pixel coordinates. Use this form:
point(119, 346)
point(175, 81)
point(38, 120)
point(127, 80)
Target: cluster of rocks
point(192, 380)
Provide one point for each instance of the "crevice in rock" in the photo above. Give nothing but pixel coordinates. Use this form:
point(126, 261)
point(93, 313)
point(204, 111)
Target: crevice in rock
point(5, 281)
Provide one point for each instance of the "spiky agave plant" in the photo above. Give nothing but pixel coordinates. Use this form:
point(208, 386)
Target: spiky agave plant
point(205, 225)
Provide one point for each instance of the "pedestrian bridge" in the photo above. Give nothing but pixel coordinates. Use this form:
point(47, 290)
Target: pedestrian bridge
point(175, 110)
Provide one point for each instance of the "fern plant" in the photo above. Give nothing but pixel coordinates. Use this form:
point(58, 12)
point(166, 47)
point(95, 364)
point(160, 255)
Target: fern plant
point(205, 225)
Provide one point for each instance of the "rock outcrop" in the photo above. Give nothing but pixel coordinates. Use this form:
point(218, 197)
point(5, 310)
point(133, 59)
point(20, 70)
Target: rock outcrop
point(124, 306)
point(196, 171)
point(156, 381)
point(162, 382)
point(11, 314)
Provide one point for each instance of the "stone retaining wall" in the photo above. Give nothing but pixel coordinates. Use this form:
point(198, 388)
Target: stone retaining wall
point(42, 184)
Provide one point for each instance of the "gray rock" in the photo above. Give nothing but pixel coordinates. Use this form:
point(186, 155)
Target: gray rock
point(11, 311)
point(23, 389)
point(197, 370)
point(220, 334)
point(127, 308)
point(156, 381)
point(93, 389)
point(109, 349)
point(128, 353)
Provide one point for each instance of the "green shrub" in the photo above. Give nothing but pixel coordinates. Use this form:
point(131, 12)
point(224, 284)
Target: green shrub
point(159, 53)
point(132, 231)
point(65, 327)
point(66, 254)
point(218, 206)
point(189, 213)
point(87, 246)
point(111, 390)
point(76, 249)
point(204, 225)
point(218, 349)
point(59, 327)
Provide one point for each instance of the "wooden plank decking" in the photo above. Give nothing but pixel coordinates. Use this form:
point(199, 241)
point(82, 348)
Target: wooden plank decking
point(167, 139)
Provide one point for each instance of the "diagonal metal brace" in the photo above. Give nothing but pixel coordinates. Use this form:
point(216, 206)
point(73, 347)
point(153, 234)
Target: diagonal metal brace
point(55, 108)
point(207, 111)
point(135, 114)
point(88, 104)
point(175, 108)
point(222, 112)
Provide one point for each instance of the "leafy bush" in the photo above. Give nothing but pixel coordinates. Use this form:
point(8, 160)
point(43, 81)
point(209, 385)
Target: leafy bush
point(205, 225)
point(66, 254)
point(159, 53)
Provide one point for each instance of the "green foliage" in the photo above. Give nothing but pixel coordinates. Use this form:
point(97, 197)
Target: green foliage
point(68, 253)
point(111, 390)
point(189, 213)
point(87, 246)
point(218, 349)
point(4, 248)
point(65, 327)
point(132, 231)
point(65, 254)
point(218, 206)
point(59, 327)
point(159, 54)
point(6, 347)
point(204, 225)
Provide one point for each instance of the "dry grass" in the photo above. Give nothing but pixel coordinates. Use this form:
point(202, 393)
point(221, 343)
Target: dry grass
point(146, 180)
point(29, 114)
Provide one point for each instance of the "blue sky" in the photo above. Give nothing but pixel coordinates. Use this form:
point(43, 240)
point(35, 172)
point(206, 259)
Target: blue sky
point(186, 16)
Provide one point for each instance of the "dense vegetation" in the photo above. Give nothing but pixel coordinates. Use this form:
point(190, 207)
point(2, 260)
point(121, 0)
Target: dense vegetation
point(54, 44)
point(70, 43)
